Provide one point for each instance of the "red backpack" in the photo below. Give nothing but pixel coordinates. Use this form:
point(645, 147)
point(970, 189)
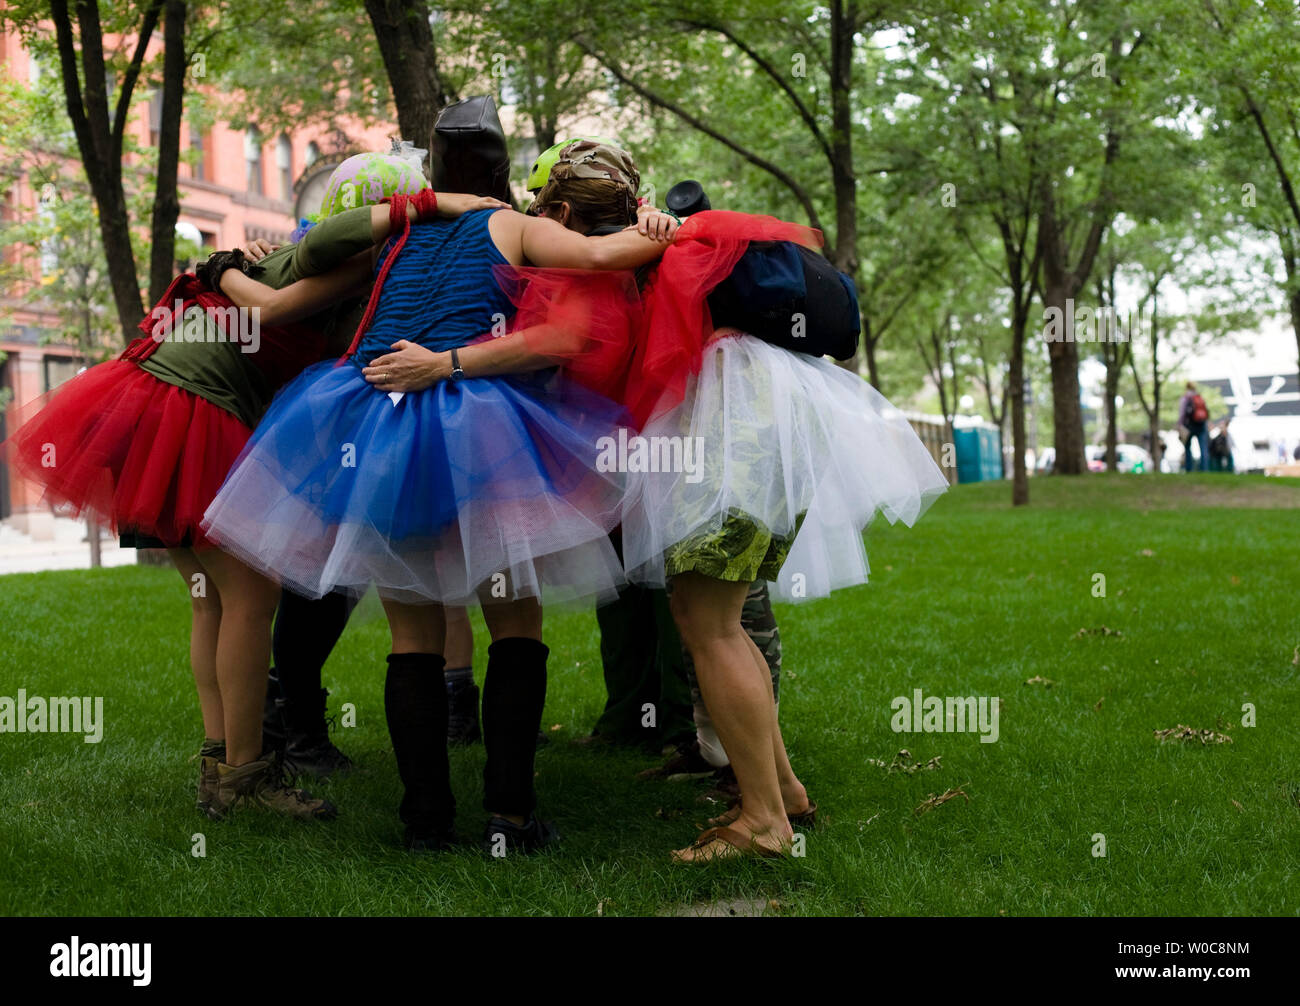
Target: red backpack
point(1199, 412)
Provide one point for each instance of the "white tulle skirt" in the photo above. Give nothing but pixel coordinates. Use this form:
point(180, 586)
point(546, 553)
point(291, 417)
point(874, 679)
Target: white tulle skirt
point(775, 435)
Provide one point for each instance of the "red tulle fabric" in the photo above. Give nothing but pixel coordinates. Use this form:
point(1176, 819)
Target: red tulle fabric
point(586, 320)
point(677, 321)
point(640, 350)
point(134, 451)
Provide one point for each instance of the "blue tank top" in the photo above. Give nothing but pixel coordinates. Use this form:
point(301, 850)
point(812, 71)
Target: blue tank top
point(441, 291)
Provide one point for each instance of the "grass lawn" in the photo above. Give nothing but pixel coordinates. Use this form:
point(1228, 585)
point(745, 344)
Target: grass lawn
point(1201, 581)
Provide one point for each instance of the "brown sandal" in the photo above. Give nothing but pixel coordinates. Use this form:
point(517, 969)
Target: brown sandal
point(729, 843)
point(804, 819)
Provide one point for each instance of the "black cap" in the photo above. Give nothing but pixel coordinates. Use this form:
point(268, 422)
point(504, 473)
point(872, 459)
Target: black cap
point(686, 198)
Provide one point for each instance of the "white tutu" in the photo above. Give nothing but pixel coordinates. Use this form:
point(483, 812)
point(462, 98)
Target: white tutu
point(774, 435)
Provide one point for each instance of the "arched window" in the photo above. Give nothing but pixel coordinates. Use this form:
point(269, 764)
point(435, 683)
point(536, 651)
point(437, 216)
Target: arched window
point(313, 153)
point(253, 159)
point(196, 145)
point(284, 165)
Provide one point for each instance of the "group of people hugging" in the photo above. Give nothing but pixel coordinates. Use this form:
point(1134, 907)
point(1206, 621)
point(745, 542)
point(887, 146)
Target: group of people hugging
point(428, 411)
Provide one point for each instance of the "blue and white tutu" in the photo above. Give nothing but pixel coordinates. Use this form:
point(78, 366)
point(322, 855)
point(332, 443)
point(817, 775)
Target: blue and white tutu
point(802, 447)
point(490, 483)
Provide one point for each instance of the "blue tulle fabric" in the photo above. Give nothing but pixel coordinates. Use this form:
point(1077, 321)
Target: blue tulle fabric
point(489, 484)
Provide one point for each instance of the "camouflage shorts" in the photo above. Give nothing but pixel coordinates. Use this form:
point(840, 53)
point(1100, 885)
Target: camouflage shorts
point(741, 551)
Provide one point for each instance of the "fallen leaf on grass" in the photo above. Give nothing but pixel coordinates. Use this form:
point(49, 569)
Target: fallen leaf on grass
point(1238, 806)
point(938, 801)
point(904, 762)
point(863, 824)
point(556, 726)
point(1146, 552)
point(1038, 679)
point(1097, 707)
point(1186, 735)
point(1100, 630)
point(1236, 581)
point(600, 906)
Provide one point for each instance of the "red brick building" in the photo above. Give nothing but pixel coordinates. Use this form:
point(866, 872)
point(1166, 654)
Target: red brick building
point(242, 185)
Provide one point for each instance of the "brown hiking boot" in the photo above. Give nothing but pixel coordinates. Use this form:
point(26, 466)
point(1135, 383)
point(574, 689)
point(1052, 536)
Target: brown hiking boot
point(261, 783)
point(207, 782)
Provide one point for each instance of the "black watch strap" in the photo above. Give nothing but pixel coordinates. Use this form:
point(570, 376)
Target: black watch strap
point(457, 374)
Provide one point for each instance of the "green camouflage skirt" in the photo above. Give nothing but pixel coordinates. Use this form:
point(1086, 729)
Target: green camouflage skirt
point(741, 550)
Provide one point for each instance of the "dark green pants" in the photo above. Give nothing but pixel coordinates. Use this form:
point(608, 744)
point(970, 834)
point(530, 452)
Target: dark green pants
point(642, 655)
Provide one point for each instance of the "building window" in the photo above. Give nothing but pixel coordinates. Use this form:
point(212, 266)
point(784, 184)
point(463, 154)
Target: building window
point(313, 153)
point(253, 158)
point(196, 145)
point(50, 245)
point(155, 117)
point(284, 165)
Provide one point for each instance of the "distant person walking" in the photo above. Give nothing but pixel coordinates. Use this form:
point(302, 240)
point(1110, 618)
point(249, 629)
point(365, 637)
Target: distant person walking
point(1192, 417)
point(1221, 450)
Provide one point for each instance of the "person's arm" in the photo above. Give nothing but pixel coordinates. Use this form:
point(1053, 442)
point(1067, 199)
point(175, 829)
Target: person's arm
point(301, 299)
point(410, 367)
point(549, 244)
point(337, 238)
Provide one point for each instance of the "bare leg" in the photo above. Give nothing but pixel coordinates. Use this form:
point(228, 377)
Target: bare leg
point(521, 619)
point(737, 689)
point(793, 794)
point(459, 649)
point(248, 602)
point(205, 625)
point(416, 628)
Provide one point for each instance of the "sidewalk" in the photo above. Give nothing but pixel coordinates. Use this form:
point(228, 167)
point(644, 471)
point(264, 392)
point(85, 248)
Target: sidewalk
point(67, 550)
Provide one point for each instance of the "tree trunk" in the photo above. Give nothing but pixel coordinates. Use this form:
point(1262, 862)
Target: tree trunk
point(406, 43)
point(99, 140)
point(1157, 445)
point(1016, 392)
point(1295, 316)
point(166, 204)
point(1063, 356)
point(869, 349)
point(844, 254)
point(1112, 418)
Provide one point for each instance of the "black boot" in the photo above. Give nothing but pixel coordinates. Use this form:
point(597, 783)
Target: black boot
point(514, 693)
point(273, 728)
point(307, 748)
point(462, 711)
point(415, 701)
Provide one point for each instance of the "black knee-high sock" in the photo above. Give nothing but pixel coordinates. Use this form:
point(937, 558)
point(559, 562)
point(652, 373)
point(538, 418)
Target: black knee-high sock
point(415, 701)
point(305, 634)
point(514, 692)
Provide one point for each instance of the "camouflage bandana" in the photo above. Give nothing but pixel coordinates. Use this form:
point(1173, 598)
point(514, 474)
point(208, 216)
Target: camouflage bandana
point(590, 159)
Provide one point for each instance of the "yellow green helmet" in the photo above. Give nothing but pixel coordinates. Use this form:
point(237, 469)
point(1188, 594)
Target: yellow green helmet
point(540, 173)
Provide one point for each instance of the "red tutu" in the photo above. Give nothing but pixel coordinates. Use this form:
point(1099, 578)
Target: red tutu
point(640, 351)
point(138, 453)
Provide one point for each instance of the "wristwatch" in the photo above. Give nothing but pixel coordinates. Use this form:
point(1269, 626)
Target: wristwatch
point(457, 374)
